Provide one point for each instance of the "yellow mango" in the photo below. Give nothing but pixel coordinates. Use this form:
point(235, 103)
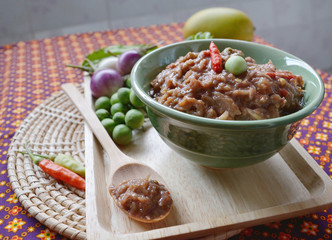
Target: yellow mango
point(221, 23)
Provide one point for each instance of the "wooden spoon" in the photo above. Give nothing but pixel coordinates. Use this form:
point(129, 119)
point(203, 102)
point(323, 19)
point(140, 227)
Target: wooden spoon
point(122, 167)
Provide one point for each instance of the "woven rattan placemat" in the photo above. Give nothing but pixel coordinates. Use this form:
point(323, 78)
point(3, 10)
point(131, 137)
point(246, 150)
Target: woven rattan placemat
point(53, 127)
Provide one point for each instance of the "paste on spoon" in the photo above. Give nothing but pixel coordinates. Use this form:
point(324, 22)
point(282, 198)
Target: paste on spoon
point(143, 199)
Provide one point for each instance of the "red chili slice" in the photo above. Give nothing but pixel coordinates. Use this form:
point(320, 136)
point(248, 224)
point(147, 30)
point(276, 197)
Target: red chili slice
point(280, 74)
point(283, 92)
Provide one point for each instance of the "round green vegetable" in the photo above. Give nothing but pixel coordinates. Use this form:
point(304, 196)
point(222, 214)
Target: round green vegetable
point(123, 95)
point(114, 99)
point(128, 82)
point(134, 118)
point(109, 125)
point(118, 107)
point(236, 65)
point(134, 100)
point(102, 102)
point(122, 134)
point(102, 114)
point(119, 117)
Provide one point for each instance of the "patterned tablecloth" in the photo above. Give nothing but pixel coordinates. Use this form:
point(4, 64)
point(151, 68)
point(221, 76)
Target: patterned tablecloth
point(32, 71)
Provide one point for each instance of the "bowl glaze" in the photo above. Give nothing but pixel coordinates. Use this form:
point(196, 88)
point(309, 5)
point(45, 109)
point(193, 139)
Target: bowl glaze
point(224, 143)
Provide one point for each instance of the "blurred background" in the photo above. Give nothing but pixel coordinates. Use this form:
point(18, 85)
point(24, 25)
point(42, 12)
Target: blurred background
point(301, 27)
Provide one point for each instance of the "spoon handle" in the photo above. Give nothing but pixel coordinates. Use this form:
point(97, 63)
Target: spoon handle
point(94, 123)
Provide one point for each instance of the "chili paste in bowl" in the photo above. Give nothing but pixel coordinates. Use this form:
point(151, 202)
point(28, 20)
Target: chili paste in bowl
point(191, 85)
point(225, 116)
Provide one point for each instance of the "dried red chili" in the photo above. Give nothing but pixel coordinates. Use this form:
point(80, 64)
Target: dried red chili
point(216, 61)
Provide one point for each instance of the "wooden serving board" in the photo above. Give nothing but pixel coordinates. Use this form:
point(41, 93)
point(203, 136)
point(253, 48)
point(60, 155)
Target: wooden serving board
point(207, 202)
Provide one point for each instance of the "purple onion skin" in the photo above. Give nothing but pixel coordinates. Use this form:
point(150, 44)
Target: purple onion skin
point(105, 82)
point(127, 60)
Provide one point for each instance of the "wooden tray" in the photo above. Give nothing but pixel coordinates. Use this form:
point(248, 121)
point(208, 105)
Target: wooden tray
point(206, 201)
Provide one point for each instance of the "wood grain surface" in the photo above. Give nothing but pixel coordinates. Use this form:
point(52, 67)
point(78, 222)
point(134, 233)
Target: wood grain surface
point(207, 203)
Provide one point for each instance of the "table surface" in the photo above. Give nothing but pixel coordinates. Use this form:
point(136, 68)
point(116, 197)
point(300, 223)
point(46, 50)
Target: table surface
point(30, 72)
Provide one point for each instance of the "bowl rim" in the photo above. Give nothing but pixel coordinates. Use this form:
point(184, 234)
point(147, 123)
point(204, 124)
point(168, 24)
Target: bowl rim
point(230, 124)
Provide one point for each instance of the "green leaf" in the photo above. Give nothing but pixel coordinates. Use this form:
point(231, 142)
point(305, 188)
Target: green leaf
point(200, 35)
point(115, 50)
point(96, 56)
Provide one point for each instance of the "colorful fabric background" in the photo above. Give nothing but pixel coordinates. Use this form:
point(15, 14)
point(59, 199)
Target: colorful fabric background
point(32, 71)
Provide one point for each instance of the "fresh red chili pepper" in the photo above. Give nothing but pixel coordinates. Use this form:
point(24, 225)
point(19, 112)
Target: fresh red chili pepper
point(216, 61)
point(65, 161)
point(62, 173)
point(57, 171)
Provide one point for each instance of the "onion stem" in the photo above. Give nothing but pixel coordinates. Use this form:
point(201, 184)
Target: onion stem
point(87, 69)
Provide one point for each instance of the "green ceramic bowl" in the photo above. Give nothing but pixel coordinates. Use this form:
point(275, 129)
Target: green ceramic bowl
point(224, 143)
